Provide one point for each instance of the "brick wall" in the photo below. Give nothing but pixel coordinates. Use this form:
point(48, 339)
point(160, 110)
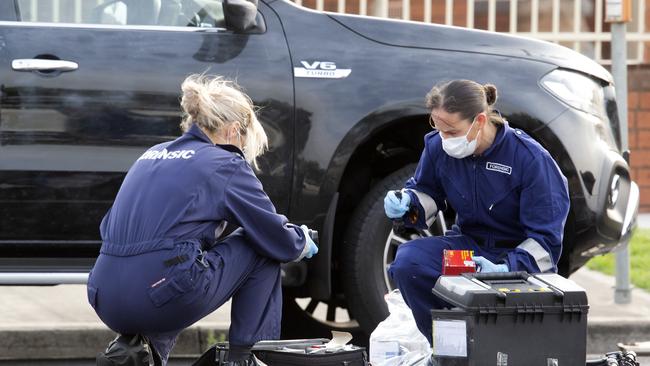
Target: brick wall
point(639, 122)
point(639, 129)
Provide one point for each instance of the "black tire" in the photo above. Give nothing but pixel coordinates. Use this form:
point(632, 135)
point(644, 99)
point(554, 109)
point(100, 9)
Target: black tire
point(365, 242)
point(301, 322)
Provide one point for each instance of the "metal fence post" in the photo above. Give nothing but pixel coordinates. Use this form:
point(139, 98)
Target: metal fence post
point(380, 9)
point(623, 291)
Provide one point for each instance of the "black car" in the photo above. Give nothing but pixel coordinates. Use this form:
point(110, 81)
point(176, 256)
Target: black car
point(341, 98)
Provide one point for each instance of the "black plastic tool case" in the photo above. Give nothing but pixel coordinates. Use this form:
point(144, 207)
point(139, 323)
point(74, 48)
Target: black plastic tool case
point(510, 319)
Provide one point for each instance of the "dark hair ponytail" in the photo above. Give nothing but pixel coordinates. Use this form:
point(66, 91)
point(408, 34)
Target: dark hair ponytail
point(466, 97)
point(490, 94)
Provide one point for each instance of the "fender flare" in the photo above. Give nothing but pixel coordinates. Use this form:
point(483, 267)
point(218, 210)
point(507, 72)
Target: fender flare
point(320, 272)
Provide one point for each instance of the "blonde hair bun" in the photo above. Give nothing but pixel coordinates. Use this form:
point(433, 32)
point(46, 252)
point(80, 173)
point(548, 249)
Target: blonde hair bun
point(212, 102)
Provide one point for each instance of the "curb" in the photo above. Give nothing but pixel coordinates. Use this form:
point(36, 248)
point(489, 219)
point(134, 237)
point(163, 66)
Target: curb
point(603, 335)
point(84, 343)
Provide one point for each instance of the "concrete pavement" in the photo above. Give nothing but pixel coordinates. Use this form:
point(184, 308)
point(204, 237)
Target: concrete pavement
point(610, 323)
point(57, 322)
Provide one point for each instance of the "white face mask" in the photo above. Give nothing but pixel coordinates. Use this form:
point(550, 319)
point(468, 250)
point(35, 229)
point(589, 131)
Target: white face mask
point(459, 147)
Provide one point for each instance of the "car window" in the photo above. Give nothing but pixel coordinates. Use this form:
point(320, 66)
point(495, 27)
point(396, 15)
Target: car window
point(176, 13)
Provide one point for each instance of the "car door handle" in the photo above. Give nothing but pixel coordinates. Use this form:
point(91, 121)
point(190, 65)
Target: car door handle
point(38, 64)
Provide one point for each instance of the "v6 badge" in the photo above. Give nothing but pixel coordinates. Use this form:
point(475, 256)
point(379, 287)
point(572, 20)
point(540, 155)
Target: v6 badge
point(321, 70)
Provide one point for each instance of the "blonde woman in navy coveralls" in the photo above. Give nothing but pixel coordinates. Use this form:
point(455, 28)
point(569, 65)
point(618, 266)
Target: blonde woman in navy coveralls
point(161, 266)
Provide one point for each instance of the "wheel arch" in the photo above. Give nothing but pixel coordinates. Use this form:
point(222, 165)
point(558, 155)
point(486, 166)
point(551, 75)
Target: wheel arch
point(381, 143)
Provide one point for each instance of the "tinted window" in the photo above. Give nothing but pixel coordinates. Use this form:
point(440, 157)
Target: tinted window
point(179, 13)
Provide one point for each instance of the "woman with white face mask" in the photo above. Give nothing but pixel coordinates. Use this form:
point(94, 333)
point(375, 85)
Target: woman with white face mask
point(166, 261)
point(509, 195)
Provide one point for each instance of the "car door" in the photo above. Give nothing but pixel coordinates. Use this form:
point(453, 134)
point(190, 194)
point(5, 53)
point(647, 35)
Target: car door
point(87, 86)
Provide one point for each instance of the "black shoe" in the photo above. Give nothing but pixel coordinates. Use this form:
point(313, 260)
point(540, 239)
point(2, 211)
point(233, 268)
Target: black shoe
point(128, 350)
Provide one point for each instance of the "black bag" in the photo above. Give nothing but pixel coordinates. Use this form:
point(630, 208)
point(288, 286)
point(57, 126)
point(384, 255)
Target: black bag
point(290, 353)
point(128, 350)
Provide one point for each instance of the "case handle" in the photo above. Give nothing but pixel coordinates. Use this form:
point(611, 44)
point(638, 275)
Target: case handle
point(492, 276)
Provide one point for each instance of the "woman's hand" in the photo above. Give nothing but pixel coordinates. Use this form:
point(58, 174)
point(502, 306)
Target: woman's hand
point(486, 266)
point(396, 205)
point(312, 248)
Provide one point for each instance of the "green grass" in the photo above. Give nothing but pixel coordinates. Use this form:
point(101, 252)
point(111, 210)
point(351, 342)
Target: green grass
point(639, 260)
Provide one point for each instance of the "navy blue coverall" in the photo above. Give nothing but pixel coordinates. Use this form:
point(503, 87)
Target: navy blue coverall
point(511, 202)
point(162, 265)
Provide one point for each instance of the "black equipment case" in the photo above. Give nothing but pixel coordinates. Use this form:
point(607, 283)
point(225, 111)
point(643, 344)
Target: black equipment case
point(510, 319)
point(297, 352)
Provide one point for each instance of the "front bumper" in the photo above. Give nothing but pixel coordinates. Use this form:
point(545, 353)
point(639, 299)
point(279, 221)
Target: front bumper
point(596, 242)
point(617, 202)
point(604, 199)
point(631, 213)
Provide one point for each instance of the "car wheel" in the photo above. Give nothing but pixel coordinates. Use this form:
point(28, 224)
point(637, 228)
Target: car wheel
point(370, 247)
point(310, 318)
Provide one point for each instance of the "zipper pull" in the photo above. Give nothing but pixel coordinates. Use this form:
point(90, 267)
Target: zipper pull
point(490, 209)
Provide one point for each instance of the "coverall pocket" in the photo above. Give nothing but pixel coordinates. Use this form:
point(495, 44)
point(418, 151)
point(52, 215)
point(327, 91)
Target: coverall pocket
point(505, 200)
point(172, 288)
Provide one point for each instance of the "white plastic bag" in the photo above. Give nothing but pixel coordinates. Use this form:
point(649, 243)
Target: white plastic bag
point(397, 341)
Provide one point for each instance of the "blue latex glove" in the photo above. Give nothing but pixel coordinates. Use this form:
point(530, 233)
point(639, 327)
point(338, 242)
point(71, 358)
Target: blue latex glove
point(486, 266)
point(396, 208)
point(312, 249)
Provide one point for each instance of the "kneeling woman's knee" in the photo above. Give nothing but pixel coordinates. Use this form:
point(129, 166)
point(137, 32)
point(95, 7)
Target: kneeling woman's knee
point(405, 262)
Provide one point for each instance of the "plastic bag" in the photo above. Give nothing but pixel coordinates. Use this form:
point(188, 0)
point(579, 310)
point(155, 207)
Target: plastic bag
point(397, 341)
